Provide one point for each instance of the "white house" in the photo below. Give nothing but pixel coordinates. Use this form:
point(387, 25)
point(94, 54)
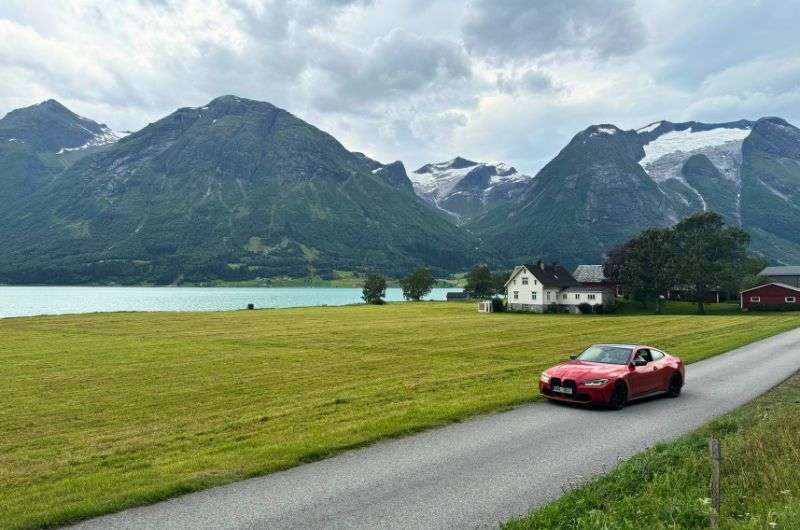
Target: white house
point(533, 287)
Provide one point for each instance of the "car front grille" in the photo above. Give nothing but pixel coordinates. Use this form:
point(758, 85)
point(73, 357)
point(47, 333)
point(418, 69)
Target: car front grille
point(577, 396)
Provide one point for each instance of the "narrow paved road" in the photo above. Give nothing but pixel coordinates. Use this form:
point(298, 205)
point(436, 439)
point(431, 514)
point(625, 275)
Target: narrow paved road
point(477, 473)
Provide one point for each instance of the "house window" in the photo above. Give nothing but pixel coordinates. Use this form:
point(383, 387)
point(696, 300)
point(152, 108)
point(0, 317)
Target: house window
point(548, 296)
point(755, 299)
point(791, 299)
point(564, 296)
point(533, 295)
point(516, 295)
point(514, 281)
point(524, 280)
point(591, 296)
point(534, 281)
point(577, 296)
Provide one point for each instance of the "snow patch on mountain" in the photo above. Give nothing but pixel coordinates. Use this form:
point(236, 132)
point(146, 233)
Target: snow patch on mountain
point(773, 190)
point(688, 141)
point(666, 154)
point(105, 137)
point(439, 180)
point(607, 130)
point(447, 184)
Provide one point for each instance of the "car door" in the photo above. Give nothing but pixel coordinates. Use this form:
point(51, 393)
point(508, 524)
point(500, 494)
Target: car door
point(662, 368)
point(645, 379)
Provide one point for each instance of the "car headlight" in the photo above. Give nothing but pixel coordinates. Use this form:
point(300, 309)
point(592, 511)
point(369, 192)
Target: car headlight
point(544, 378)
point(595, 382)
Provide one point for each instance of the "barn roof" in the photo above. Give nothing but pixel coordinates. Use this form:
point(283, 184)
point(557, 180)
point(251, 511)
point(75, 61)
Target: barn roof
point(789, 270)
point(779, 284)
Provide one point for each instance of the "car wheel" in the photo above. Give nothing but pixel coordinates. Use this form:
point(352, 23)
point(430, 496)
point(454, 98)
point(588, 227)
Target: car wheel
point(675, 386)
point(619, 396)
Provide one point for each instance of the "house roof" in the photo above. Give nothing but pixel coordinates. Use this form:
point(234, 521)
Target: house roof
point(553, 275)
point(790, 270)
point(779, 284)
point(513, 274)
point(589, 274)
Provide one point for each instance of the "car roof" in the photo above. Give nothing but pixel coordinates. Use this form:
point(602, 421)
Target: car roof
point(620, 345)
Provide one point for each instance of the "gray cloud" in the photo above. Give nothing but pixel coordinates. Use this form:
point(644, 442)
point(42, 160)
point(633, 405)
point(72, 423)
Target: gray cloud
point(396, 65)
point(530, 80)
point(417, 80)
point(525, 29)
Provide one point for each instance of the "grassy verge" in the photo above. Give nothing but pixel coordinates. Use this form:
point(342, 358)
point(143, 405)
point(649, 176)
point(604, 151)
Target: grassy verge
point(105, 411)
point(667, 486)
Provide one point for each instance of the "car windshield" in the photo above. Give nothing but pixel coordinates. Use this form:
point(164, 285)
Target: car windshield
point(603, 353)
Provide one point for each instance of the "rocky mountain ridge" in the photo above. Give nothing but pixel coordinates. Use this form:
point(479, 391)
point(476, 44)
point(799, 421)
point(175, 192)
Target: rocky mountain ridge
point(240, 189)
point(465, 189)
point(235, 189)
point(607, 184)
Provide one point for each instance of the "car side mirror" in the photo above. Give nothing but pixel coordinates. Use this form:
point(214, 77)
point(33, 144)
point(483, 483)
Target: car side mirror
point(573, 356)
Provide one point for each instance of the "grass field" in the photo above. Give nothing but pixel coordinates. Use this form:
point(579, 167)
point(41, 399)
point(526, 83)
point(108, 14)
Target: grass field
point(667, 486)
point(104, 411)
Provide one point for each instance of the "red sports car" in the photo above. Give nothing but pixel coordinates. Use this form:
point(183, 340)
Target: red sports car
point(613, 374)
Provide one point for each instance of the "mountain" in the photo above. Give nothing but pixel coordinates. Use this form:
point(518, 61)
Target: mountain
point(38, 142)
point(466, 189)
point(608, 184)
point(51, 127)
point(234, 189)
point(240, 189)
point(770, 189)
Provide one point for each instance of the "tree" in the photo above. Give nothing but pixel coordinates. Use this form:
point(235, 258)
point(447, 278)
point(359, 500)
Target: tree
point(748, 275)
point(499, 280)
point(644, 266)
point(709, 253)
point(417, 284)
point(374, 289)
point(479, 282)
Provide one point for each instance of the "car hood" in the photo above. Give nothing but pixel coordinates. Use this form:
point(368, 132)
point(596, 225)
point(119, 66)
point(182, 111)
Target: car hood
point(586, 370)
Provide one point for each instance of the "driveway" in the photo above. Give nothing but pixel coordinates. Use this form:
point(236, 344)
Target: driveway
point(477, 473)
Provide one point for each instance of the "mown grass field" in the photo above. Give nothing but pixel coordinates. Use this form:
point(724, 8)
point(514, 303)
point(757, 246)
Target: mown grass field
point(667, 487)
point(104, 411)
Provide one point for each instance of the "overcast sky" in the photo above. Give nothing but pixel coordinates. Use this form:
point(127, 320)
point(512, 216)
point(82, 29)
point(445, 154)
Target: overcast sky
point(414, 80)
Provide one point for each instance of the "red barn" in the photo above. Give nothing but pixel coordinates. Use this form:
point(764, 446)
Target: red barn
point(770, 294)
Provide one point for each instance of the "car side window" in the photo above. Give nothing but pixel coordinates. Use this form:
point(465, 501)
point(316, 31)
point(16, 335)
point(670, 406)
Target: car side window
point(644, 353)
point(657, 355)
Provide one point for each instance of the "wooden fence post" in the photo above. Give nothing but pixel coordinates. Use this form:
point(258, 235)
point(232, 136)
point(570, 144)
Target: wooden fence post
point(714, 456)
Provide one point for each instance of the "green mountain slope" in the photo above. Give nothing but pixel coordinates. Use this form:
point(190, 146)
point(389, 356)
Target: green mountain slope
point(592, 195)
point(608, 184)
point(770, 198)
point(235, 189)
point(38, 142)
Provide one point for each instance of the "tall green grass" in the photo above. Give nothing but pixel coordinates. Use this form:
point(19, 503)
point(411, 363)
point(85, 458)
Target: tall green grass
point(105, 411)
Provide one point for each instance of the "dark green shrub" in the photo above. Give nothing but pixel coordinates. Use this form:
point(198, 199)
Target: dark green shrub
point(374, 289)
point(551, 308)
point(585, 308)
point(498, 305)
point(599, 309)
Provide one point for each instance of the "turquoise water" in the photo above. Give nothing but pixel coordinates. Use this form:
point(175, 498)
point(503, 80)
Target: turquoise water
point(28, 301)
